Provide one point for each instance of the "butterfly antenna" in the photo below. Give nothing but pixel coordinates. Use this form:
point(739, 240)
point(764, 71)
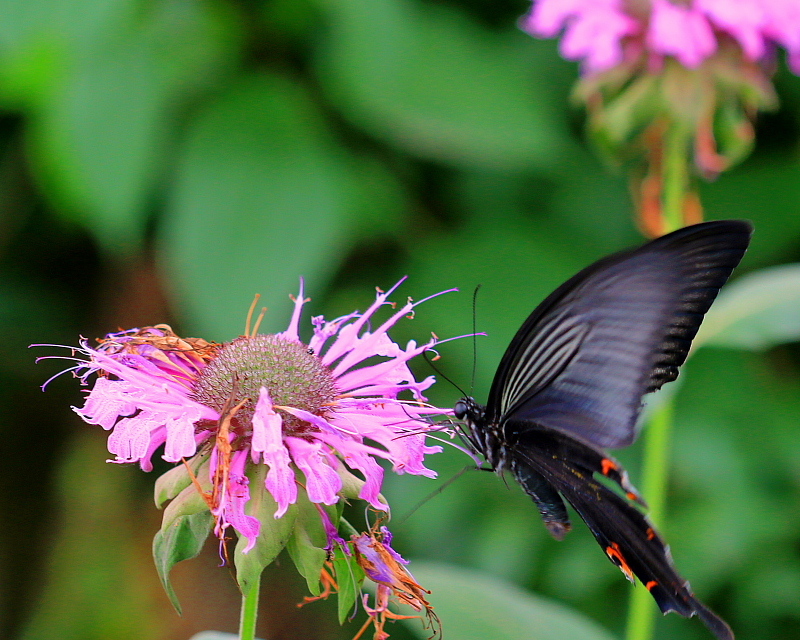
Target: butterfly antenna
point(433, 494)
point(474, 338)
point(439, 373)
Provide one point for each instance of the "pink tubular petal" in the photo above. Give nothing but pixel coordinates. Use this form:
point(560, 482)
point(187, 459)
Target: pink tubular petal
point(309, 417)
point(680, 32)
point(372, 472)
point(157, 438)
point(106, 403)
point(596, 38)
point(395, 369)
point(235, 496)
point(324, 331)
point(161, 401)
point(268, 441)
point(133, 438)
point(365, 346)
point(348, 335)
point(393, 390)
point(744, 20)
point(331, 532)
point(180, 434)
point(593, 31)
point(548, 17)
point(293, 331)
point(390, 426)
point(322, 482)
point(362, 458)
point(266, 425)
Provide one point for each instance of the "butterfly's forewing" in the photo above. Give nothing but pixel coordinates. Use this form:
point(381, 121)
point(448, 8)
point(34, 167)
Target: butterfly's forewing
point(574, 469)
point(584, 358)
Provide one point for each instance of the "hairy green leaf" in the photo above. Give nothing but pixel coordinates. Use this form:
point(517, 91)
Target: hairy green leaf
point(473, 605)
point(181, 539)
point(758, 311)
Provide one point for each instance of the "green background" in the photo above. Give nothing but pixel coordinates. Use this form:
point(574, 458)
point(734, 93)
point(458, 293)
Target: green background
point(162, 161)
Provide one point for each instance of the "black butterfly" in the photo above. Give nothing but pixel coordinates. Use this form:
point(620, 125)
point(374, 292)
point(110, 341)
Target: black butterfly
point(571, 383)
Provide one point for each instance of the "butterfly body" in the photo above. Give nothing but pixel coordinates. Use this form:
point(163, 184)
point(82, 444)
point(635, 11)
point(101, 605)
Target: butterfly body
point(571, 383)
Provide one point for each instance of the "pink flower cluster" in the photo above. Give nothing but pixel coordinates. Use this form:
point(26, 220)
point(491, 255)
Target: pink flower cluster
point(146, 395)
point(602, 33)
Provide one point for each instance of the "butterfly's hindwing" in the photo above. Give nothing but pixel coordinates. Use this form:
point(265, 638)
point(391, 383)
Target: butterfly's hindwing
point(617, 522)
point(547, 499)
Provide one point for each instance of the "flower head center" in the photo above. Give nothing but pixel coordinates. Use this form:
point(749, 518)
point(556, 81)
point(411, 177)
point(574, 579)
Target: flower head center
point(291, 372)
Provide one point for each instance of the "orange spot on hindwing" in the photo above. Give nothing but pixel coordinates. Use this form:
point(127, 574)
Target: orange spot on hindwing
point(615, 553)
point(608, 466)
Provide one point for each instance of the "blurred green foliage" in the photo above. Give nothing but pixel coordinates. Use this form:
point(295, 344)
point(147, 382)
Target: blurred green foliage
point(164, 160)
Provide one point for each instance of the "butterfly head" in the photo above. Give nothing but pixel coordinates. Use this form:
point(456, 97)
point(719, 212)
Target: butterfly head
point(482, 436)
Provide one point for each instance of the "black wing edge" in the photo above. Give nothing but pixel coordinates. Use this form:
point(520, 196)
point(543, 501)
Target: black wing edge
point(713, 264)
point(618, 524)
point(709, 252)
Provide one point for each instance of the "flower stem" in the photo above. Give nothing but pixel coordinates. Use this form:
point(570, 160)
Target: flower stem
point(247, 621)
point(675, 179)
point(655, 463)
point(657, 434)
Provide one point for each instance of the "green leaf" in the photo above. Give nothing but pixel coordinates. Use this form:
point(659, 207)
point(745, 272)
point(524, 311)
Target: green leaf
point(171, 483)
point(429, 80)
point(473, 605)
point(349, 577)
point(261, 197)
point(182, 539)
point(185, 526)
point(273, 536)
point(307, 544)
point(99, 139)
point(38, 28)
point(758, 311)
point(379, 202)
point(351, 484)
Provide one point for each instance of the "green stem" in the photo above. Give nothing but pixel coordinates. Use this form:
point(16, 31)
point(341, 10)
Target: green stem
point(247, 621)
point(655, 463)
point(676, 177)
point(641, 612)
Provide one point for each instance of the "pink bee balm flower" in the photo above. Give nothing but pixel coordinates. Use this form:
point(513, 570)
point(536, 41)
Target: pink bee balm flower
point(317, 408)
point(681, 32)
point(593, 31)
point(604, 33)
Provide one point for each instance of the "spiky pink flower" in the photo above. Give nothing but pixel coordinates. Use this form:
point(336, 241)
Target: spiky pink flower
point(319, 407)
point(604, 33)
